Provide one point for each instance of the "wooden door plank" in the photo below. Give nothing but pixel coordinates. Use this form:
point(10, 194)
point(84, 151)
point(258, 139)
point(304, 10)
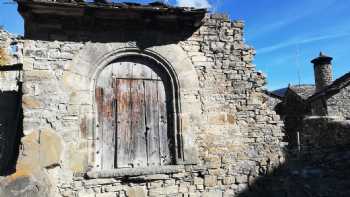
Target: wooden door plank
point(124, 134)
point(163, 126)
point(98, 144)
point(142, 72)
point(108, 123)
point(138, 125)
point(108, 135)
point(104, 78)
point(152, 123)
point(122, 70)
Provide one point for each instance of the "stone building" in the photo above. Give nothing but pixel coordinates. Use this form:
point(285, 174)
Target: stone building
point(139, 100)
point(316, 119)
point(292, 105)
point(325, 98)
point(328, 122)
point(336, 97)
point(325, 138)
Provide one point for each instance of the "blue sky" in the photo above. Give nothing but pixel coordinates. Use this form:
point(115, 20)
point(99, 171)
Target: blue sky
point(286, 34)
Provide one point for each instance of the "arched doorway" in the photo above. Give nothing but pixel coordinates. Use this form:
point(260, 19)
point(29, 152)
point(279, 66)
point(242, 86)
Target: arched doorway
point(135, 114)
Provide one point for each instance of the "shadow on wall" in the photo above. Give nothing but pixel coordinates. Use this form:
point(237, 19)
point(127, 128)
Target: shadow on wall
point(322, 172)
point(11, 127)
point(143, 38)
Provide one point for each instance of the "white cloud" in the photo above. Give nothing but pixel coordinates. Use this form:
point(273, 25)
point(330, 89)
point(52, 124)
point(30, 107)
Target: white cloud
point(306, 40)
point(194, 3)
point(287, 17)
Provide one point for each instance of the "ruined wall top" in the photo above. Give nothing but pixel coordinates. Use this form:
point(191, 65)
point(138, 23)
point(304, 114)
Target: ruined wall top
point(5, 40)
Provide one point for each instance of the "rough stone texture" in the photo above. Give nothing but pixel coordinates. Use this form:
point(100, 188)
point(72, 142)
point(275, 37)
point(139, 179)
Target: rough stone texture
point(227, 127)
point(332, 100)
point(318, 168)
point(9, 55)
point(318, 165)
point(319, 107)
point(339, 104)
point(323, 71)
point(9, 80)
point(272, 101)
point(22, 186)
point(10, 48)
point(326, 131)
point(41, 149)
point(5, 40)
point(136, 192)
point(323, 74)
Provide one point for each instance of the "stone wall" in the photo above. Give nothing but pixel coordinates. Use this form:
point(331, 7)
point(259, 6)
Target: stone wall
point(325, 131)
point(10, 102)
point(318, 167)
point(9, 77)
point(323, 73)
point(272, 101)
point(230, 137)
point(339, 104)
point(10, 48)
point(5, 40)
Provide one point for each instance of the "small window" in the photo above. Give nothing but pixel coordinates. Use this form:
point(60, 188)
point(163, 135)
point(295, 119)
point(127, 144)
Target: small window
point(134, 116)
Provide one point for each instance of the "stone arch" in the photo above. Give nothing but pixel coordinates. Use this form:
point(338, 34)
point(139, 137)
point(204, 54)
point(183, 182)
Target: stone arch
point(94, 57)
point(172, 94)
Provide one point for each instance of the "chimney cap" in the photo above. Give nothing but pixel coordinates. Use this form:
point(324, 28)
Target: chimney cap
point(322, 58)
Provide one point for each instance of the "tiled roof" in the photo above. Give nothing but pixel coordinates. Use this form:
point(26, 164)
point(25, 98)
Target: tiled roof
point(304, 91)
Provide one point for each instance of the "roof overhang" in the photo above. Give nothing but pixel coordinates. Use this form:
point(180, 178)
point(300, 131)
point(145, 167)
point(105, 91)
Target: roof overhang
point(53, 16)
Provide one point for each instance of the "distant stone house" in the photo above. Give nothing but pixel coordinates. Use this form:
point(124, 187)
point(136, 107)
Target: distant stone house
point(292, 105)
point(327, 98)
point(316, 123)
point(139, 100)
point(333, 99)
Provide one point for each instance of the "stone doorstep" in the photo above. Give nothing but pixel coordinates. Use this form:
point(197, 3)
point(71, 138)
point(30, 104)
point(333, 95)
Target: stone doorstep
point(136, 172)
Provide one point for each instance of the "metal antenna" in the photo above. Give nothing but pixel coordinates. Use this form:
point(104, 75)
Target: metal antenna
point(297, 62)
point(216, 5)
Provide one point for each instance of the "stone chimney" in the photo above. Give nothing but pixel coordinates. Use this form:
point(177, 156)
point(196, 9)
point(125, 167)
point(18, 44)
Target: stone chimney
point(323, 71)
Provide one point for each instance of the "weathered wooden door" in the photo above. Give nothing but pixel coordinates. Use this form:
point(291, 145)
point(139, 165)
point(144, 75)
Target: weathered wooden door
point(131, 102)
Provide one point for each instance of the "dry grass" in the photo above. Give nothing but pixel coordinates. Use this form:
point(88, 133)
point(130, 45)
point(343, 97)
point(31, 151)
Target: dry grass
point(3, 57)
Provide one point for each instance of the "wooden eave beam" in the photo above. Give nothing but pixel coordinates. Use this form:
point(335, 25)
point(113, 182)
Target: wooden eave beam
point(110, 11)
